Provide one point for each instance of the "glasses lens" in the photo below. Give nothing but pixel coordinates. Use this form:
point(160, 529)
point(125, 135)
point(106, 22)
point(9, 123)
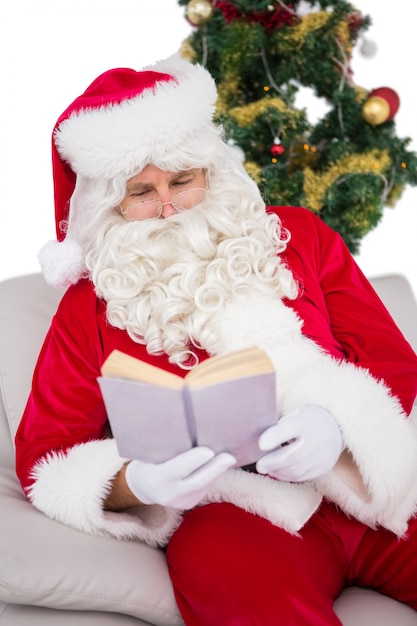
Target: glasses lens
point(187, 199)
point(148, 208)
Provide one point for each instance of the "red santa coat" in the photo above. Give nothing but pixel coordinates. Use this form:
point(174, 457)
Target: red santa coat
point(358, 365)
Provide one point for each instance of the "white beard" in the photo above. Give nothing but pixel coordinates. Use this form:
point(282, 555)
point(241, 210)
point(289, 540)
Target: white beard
point(164, 281)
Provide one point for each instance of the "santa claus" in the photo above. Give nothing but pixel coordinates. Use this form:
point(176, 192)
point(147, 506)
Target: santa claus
point(170, 255)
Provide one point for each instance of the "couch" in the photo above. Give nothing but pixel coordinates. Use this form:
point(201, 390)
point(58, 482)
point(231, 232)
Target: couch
point(52, 575)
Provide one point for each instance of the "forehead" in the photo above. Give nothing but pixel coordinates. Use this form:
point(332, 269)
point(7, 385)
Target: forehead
point(153, 174)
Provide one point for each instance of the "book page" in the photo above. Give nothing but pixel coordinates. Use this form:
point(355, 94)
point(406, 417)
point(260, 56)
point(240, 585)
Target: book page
point(121, 365)
point(148, 422)
point(230, 416)
point(238, 364)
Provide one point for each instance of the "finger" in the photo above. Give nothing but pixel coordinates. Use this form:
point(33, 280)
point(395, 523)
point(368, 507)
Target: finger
point(278, 458)
point(210, 471)
point(189, 461)
point(278, 435)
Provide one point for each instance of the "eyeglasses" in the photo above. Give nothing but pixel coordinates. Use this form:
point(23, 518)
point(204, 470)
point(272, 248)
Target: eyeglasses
point(181, 201)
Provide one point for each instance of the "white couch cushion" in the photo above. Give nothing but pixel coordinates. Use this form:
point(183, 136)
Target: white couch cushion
point(44, 563)
point(27, 304)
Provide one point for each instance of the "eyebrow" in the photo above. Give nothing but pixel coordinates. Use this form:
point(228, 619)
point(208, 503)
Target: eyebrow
point(132, 187)
point(135, 187)
point(190, 172)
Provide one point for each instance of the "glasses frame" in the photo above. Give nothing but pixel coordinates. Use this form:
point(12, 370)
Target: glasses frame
point(158, 213)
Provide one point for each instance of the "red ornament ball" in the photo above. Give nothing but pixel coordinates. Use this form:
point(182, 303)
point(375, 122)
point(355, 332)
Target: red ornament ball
point(391, 98)
point(277, 149)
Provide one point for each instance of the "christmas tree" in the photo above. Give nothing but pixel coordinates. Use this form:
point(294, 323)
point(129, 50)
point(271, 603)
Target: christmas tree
point(348, 165)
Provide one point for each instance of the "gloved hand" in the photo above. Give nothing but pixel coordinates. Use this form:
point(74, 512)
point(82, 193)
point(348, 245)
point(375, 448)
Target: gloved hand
point(180, 482)
point(304, 444)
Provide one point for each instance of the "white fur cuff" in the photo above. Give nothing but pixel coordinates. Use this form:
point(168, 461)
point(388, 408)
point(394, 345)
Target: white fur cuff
point(286, 505)
point(72, 487)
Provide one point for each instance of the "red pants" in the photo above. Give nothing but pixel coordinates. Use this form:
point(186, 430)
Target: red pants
point(232, 568)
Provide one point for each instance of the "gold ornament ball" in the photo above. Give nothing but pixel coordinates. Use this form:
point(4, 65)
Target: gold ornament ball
point(375, 110)
point(199, 12)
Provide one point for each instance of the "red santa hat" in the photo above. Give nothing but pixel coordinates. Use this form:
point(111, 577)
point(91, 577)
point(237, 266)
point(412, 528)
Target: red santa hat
point(124, 120)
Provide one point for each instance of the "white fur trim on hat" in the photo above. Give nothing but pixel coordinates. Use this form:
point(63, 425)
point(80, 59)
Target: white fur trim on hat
point(123, 138)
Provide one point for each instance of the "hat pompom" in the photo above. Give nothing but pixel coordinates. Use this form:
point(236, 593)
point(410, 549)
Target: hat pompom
point(62, 263)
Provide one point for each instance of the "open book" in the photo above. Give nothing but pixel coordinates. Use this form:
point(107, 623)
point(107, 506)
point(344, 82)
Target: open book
point(224, 403)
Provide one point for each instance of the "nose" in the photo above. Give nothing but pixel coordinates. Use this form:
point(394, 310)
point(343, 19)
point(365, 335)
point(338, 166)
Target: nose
point(167, 209)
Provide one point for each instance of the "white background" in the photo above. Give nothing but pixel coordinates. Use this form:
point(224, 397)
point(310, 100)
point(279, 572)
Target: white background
point(50, 50)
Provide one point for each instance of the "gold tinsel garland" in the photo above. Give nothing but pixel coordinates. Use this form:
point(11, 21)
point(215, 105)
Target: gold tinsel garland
point(342, 32)
point(187, 51)
point(226, 90)
point(316, 185)
point(247, 115)
point(309, 23)
point(254, 170)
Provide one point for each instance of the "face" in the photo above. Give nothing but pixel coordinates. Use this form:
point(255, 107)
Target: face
point(155, 193)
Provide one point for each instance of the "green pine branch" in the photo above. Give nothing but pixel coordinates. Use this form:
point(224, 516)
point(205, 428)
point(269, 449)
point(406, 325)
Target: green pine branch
point(261, 54)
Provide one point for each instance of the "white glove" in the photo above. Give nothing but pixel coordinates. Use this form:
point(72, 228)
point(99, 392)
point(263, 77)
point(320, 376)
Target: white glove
point(305, 444)
point(180, 482)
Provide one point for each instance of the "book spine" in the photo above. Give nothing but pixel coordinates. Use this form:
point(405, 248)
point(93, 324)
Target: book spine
point(189, 414)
